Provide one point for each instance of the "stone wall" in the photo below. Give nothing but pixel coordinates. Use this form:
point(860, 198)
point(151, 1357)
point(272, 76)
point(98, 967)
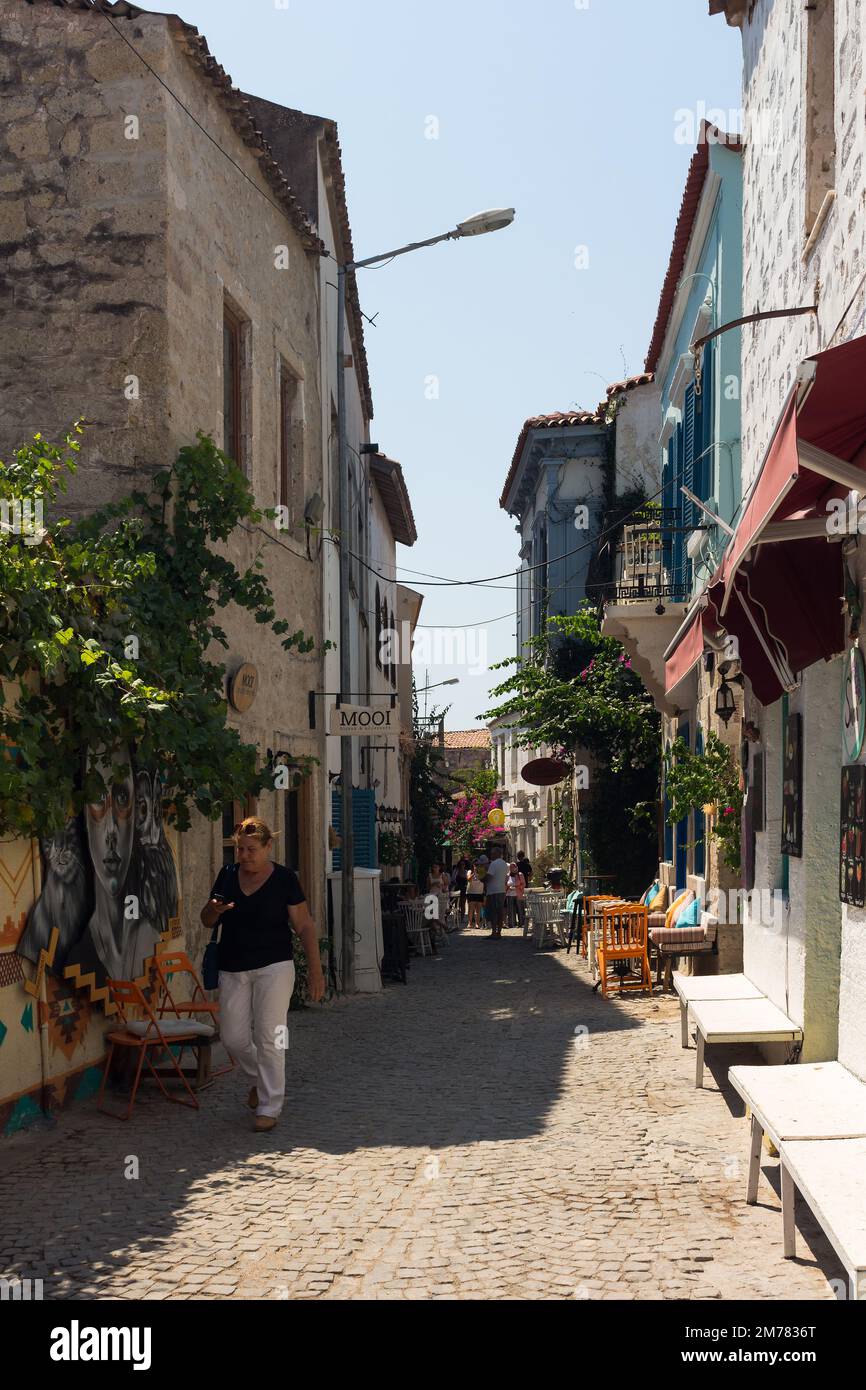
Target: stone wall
point(119, 254)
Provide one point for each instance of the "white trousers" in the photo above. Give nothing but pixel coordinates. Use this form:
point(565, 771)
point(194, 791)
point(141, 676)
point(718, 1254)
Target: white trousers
point(254, 1005)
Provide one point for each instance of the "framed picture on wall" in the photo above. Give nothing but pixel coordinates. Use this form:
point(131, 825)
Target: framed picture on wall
point(852, 878)
point(792, 787)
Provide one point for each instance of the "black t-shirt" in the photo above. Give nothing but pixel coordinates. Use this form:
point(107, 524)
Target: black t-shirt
point(524, 867)
point(257, 930)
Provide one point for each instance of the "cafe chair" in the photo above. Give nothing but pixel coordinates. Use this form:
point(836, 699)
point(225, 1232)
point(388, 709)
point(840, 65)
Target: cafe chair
point(622, 947)
point(417, 927)
point(166, 965)
point(146, 1037)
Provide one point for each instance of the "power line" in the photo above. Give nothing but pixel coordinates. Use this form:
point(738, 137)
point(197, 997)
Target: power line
point(96, 7)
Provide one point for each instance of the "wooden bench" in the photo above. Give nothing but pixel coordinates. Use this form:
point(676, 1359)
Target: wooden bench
point(829, 1174)
point(692, 988)
point(738, 1021)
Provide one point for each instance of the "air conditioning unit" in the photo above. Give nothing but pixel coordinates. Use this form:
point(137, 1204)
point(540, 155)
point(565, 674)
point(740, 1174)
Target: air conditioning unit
point(696, 545)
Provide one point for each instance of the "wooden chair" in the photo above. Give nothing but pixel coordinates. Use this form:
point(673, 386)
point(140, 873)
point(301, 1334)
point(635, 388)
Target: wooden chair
point(417, 926)
point(168, 963)
point(592, 905)
point(623, 937)
point(146, 1035)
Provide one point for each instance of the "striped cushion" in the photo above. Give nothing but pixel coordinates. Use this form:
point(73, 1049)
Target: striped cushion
point(686, 938)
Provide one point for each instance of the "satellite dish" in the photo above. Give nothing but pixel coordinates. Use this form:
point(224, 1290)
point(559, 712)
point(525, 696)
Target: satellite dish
point(545, 772)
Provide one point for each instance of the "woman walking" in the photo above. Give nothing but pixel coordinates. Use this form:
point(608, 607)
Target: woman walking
point(461, 877)
point(258, 904)
point(474, 897)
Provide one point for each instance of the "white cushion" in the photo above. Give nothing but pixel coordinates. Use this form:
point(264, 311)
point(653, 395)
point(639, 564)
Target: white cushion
point(170, 1027)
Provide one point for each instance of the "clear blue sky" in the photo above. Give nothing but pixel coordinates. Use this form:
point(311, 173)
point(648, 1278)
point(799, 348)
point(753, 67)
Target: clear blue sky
point(567, 114)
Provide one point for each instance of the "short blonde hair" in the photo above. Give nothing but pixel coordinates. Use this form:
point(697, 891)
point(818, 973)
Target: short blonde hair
point(255, 828)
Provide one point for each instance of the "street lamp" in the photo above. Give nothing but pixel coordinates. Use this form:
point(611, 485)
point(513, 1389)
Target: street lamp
point(419, 690)
point(493, 220)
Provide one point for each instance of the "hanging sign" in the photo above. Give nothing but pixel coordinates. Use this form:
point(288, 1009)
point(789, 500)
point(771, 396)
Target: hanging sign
point(853, 705)
point(496, 817)
point(354, 721)
point(243, 687)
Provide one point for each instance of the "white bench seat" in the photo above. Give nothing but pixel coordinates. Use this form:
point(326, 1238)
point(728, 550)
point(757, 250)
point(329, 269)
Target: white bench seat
point(695, 987)
point(829, 1174)
point(813, 1101)
point(738, 1020)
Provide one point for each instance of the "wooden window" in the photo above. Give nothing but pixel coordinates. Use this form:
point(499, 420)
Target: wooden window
point(291, 483)
point(233, 813)
point(232, 385)
point(820, 107)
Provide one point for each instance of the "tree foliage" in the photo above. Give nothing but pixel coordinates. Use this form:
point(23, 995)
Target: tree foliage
point(109, 634)
point(575, 691)
point(429, 801)
point(695, 780)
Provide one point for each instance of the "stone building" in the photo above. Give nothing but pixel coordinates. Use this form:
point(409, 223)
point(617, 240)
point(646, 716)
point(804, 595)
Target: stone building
point(160, 277)
point(466, 749)
point(308, 150)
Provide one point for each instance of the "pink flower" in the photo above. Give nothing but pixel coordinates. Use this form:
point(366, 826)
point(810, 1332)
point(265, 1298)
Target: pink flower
point(729, 810)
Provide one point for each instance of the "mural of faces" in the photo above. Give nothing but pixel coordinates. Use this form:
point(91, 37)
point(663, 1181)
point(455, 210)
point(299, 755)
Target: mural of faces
point(110, 828)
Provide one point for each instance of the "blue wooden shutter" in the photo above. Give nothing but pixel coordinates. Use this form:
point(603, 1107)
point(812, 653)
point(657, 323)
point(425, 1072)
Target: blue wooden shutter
point(567, 572)
point(363, 824)
point(679, 540)
point(705, 481)
point(668, 502)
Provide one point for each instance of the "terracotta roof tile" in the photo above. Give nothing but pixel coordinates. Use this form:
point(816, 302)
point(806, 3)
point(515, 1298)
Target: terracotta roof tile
point(558, 419)
point(467, 738)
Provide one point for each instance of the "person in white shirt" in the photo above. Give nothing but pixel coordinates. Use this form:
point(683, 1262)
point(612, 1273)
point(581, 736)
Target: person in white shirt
point(494, 893)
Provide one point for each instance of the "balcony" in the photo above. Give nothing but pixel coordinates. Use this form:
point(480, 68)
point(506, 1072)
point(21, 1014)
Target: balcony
point(647, 597)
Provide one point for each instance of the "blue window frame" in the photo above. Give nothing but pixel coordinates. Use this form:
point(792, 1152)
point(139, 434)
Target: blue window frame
point(700, 818)
point(682, 831)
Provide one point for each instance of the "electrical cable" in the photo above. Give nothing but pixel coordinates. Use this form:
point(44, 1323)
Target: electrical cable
point(97, 9)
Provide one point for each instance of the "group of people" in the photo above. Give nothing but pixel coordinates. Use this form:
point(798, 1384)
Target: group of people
point(492, 890)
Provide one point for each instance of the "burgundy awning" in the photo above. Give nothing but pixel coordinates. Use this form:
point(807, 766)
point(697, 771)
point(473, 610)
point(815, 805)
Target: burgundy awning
point(687, 647)
point(780, 586)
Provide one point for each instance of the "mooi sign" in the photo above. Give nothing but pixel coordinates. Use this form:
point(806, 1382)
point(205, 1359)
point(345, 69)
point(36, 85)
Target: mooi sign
point(354, 720)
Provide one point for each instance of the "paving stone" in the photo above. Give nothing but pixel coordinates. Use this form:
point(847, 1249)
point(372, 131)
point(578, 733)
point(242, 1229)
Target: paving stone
point(557, 1175)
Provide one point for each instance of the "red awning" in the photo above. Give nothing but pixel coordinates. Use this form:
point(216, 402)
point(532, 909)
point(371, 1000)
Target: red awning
point(687, 648)
point(782, 598)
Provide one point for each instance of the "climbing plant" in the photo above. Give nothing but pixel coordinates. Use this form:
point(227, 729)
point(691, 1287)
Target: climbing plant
point(110, 632)
point(694, 781)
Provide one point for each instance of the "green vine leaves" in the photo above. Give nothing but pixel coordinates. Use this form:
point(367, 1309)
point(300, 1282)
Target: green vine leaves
point(108, 636)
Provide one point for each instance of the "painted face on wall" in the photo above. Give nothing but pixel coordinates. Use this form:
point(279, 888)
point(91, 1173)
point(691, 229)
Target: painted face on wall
point(110, 827)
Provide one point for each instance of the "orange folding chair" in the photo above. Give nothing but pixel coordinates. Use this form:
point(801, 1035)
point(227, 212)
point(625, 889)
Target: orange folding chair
point(148, 1035)
point(167, 964)
point(623, 940)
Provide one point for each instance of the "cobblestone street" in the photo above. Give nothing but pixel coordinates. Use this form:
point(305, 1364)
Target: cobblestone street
point(454, 1138)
